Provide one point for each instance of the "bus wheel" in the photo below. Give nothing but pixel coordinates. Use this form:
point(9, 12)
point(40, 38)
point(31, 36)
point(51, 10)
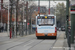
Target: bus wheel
point(38, 38)
point(55, 37)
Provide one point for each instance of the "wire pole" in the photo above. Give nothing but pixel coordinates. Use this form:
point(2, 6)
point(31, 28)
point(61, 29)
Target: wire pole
point(11, 19)
point(15, 24)
point(1, 11)
point(39, 7)
point(16, 16)
point(23, 19)
point(15, 21)
point(49, 7)
point(1, 16)
point(8, 18)
point(30, 21)
point(26, 16)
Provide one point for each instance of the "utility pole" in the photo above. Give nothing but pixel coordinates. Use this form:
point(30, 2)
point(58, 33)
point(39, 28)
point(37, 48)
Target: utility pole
point(8, 18)
point(72, 22)
point(30, 11)
point(1, 11)
point(11, 19)
point(49, 7)
point(26, 16)
point(16, 16)
point(67, 15)
point(39, 7)
point(23, 20)
point(15, 24)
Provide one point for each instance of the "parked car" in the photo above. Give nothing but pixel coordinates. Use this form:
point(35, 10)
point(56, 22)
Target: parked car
point(63, 28)
point(33, 26)
point(57, 28)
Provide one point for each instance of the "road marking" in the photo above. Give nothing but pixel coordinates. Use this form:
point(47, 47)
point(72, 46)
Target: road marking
point(26, 46)
point(72, 48)
point(29, 43)
point(58, 47)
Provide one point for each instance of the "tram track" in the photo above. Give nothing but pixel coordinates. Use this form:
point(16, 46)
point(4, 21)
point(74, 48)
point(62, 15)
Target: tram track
point(19, 44)
point(43, 40)
point(26, 44)
point(34, 41)
point(30, 43)
point(36, 44)
point(10, 41)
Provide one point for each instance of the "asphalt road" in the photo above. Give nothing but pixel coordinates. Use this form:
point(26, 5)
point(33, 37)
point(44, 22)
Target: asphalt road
point(29, 42)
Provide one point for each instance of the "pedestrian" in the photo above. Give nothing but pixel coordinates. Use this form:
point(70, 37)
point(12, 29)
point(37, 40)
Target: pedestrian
point(2, 28)
point(13, 31)
point(1, 24)
point(17, 28)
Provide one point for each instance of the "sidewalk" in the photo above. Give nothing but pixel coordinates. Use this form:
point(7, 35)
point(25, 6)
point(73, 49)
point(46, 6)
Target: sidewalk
point(4, 36)
point(61, 43)
point(73, 45)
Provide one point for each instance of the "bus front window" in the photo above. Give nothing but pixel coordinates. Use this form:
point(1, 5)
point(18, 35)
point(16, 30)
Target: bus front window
point(42, 21)
point(45, 21)
point(50, 21)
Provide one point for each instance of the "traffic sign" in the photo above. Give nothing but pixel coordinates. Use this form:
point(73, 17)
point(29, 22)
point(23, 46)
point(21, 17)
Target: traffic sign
point(72, 11)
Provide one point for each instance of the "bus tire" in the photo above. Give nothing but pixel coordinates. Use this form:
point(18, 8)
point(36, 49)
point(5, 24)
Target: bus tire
point(38, 38)
point(55, 37)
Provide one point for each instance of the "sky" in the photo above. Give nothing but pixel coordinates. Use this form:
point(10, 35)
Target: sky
point(46, 3)
point(52, 3)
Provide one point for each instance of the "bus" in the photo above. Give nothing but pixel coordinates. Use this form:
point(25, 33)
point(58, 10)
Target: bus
point(46, 26)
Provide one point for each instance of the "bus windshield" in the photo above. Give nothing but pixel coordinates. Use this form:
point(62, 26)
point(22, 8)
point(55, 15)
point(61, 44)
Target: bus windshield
point(49, 21)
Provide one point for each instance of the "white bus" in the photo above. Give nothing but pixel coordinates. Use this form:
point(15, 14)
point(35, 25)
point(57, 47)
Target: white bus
point(46, 26)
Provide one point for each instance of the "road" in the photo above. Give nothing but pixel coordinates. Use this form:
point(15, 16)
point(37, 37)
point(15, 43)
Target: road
point(29, 42)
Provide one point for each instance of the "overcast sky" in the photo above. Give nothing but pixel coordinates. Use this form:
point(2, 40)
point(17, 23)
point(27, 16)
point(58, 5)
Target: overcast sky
point(46, 3)
point(52, 3)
